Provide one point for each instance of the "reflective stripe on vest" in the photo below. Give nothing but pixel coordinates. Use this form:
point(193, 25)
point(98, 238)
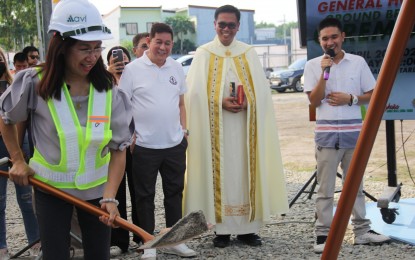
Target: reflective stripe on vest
point(81, 165)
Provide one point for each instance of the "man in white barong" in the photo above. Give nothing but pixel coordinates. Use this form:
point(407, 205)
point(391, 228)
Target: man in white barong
point(234, 171)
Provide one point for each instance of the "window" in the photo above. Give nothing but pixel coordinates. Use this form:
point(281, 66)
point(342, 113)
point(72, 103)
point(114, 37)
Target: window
point(149, 26)
point(131, 28)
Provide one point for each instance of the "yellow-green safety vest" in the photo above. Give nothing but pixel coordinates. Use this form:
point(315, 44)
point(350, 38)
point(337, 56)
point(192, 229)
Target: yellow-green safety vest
point(81, 165)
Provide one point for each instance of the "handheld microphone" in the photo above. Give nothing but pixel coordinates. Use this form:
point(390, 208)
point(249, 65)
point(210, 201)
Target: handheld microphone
point(327, 69)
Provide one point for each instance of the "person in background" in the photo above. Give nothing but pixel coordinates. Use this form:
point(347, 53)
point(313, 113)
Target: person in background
point(20, 62)
point(32, 54)
point(140, 44)
point(234, 168)
point(23, 193)
point(116, 67)
point(5, 74)
point(155, 84)
point(79, 136)
point(121, 237)
point(338, 125)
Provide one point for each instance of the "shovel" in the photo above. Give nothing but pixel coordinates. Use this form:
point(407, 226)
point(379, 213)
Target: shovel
point(186, 228)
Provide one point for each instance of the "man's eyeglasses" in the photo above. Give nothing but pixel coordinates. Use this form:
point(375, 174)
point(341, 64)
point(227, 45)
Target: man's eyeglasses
point(34, 57)
point(96, 51)
point(223, 25)
point(142, 46)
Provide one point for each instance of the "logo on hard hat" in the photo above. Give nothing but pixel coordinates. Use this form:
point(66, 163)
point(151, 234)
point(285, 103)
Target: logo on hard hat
point(76, 19)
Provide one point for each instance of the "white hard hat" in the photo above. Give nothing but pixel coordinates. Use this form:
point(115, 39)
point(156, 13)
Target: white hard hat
point(78, 19)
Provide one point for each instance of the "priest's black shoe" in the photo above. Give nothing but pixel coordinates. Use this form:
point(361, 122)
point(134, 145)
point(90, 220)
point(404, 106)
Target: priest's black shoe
point(221, 241)
point(250, 239)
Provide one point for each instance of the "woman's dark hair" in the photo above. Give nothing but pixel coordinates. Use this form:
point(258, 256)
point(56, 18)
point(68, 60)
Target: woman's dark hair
point(228, 9)
point(54, 67)
point(117, 47)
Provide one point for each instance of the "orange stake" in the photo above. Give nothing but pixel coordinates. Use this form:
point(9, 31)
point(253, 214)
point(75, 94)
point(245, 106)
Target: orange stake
point(399, 39)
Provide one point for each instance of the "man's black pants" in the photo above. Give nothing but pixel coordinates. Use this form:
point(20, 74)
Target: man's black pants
point(171, 163)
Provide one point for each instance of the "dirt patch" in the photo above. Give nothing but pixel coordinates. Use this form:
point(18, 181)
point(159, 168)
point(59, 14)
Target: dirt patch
point(296, 135)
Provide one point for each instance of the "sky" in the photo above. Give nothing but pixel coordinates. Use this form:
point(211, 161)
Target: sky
point(270, 11)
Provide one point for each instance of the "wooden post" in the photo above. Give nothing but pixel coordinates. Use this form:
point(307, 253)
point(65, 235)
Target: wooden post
point(399, 39)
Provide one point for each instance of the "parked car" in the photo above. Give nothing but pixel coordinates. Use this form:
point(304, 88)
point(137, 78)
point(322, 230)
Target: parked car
point(289, 78)
point(185, 61)
point(175, 56)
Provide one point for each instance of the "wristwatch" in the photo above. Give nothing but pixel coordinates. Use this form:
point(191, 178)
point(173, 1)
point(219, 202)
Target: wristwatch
point(355, 99)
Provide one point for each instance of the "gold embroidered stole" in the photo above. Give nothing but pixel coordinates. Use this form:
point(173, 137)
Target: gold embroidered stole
point(214, 91)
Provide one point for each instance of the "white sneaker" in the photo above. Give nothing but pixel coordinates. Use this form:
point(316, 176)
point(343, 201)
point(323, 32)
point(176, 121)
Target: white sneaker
point(4, 254)
point(149, 254)
point(115, 251)
point(320, 244)
point(180, 250)
point(371, 237)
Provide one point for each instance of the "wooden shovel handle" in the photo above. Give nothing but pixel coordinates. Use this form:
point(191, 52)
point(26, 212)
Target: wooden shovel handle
point(88, 207)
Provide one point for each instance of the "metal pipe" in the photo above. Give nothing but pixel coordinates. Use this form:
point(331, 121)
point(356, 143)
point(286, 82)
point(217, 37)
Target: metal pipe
point(399, 38)
point(391, 153)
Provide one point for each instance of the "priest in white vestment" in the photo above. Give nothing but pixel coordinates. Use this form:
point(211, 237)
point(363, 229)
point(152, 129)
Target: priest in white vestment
point(234, 169)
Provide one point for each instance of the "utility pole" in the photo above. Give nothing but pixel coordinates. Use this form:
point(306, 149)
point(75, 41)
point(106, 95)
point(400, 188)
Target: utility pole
point(288, 48)
point(39, 32)
point(285, 42)
point(285, 33)
point(46, 14)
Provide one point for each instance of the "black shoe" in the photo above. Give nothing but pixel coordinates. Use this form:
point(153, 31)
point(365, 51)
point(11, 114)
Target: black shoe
point(222, 241)
point(250, 239)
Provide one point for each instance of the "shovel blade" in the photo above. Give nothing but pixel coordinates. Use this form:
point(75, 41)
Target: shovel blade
point(185, 229)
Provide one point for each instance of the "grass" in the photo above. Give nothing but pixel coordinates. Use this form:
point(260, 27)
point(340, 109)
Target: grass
point(298, 167)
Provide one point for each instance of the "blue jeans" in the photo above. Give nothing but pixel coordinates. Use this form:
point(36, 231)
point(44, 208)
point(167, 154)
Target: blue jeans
point(24, 199)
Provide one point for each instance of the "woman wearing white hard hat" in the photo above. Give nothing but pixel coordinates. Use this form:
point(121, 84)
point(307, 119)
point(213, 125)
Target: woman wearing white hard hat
point(80, 125)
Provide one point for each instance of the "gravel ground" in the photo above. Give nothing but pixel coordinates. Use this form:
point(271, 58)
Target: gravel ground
point(288, 237)
point(291, 236)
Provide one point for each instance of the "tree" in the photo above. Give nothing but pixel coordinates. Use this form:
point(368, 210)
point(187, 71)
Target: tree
point(129, 46)
point(279, 30)
point(181, 25)
point(187, 46)
point(264, 25)
point(17, 23)
point(287, 27)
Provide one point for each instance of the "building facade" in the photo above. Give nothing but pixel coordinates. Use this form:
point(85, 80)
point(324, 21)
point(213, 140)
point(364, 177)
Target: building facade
point(126, 21)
